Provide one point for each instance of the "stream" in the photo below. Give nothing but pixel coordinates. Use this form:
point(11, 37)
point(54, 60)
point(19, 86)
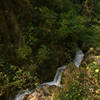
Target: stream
point(57, 78)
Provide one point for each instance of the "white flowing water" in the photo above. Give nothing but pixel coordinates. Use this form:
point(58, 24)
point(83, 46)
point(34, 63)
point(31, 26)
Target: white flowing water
point(57, 78)
point(21, 94)
point(78, 58)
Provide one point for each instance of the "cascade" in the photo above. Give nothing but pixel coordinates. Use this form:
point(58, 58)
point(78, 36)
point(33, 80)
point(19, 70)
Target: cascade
point(57, 78)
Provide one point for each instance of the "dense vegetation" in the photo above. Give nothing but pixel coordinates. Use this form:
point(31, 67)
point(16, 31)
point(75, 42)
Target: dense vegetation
point(82, 83)
point(37, 36)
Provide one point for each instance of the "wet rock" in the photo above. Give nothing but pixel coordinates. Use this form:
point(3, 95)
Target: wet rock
point(34, 96)
point(42, 93)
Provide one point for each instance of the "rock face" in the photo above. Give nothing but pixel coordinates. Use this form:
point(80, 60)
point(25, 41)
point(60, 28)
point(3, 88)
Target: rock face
point(95, 58)
point(34, 96)
point(92, 55)
point(42, 93)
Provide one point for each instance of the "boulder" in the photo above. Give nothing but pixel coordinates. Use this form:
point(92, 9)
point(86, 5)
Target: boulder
point(42, 93)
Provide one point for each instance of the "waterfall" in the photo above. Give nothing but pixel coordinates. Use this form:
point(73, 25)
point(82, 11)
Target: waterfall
point(57, 78)
point(78, 58)
point(21, 94)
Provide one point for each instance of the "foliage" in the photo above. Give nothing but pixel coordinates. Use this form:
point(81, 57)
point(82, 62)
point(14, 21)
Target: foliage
point(38, 36)
point(75, 90)
point(23, 52)
point(84, 84)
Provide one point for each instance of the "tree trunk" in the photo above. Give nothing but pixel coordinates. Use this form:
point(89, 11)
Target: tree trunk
point(14, 23)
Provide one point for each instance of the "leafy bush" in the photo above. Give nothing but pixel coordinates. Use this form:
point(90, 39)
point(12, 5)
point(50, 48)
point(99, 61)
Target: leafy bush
point(80, 84)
